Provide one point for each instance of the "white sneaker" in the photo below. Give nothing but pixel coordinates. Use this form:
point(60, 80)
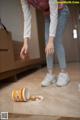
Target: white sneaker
point(48, 80)
point(63, 79)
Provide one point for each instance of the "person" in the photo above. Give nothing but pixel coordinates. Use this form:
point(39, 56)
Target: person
point(55, 24)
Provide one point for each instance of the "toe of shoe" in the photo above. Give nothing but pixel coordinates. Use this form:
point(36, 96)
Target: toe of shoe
point(62, 84)
point(45, 84)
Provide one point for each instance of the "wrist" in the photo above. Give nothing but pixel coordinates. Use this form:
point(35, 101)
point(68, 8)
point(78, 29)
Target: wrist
point(26, 39)
point(51, 39)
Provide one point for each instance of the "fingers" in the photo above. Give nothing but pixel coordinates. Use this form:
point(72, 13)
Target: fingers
point(49, 51)
point(23, 53)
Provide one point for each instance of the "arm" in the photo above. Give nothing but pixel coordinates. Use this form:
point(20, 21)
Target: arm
point(53, 18)
point(27, 19)
point(53, 25)
point(27, 28)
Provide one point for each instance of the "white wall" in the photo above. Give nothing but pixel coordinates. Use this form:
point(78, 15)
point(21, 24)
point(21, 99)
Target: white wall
point(11, 15)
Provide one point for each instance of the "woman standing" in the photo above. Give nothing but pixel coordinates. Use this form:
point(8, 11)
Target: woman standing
point(56, 17)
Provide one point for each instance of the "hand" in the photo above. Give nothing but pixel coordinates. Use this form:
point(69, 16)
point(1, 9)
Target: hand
point(24, 50)
point(49, 47)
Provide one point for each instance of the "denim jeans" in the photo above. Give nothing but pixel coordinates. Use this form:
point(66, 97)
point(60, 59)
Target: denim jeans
point(58, 44)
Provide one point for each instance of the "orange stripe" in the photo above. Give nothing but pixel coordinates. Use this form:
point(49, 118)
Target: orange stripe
point(22, 94)
point(12, 95)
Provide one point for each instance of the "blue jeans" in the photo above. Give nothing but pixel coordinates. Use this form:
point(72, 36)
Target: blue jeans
point(59, 49)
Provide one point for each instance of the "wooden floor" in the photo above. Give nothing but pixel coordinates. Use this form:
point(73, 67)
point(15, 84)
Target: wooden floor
point(60, 102)
point(39, 117)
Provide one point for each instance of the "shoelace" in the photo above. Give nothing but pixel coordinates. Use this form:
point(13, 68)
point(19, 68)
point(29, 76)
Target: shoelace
point(61, 76)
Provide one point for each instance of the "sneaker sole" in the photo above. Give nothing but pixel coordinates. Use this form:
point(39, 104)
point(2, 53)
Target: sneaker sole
point(49, 84)
point(46, 85)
